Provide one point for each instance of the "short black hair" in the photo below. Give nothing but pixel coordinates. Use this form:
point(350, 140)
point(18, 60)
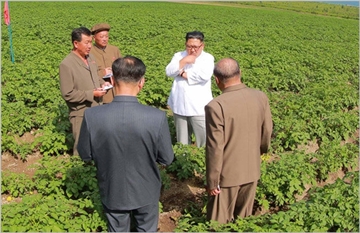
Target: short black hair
point(128, 69)
point(77, 33)
point(195, 35)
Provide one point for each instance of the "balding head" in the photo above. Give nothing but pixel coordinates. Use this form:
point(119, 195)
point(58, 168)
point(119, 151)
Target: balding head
point(128, 69)
point(128, 75)
point(227, 68)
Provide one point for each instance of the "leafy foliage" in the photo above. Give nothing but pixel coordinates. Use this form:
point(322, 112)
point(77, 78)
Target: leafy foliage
point(16, 184)
point(278, 186)
point(189, 161)
point(65, 190)
point(342, 10)
point(332, 157)
point(332, 208)
point(306, 64)
point(56, 214)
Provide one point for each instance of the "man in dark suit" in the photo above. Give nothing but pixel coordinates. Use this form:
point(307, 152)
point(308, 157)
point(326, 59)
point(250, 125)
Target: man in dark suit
point(127, 141)
point(238, 127)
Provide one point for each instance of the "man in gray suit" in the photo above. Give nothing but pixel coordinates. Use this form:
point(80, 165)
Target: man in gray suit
point(238, 127)
point(127, 141)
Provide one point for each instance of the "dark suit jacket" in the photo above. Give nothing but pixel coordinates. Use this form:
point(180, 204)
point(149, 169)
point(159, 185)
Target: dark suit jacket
point(126, 140)
point(238, 128)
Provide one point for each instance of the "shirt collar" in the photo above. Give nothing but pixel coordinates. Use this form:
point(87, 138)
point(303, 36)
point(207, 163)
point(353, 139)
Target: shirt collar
point(103, 49)
point(235, 87)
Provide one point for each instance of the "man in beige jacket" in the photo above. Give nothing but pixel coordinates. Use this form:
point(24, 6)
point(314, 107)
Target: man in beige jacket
point(238, 127)
point(80, 84)
point(105, 54)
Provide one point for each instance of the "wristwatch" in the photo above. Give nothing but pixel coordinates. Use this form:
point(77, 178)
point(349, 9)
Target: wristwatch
point(182, 71)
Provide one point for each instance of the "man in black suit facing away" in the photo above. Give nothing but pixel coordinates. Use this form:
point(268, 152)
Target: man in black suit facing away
point(127, 141)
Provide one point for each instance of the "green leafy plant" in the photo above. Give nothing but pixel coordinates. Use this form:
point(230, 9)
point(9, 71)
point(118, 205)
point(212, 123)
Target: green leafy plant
point(37, 213)
point(332, 157)
point(16, 184)
point(306, 64)
point(165, 178)
point(278, 186)
point(189, 161)
point(332, 208)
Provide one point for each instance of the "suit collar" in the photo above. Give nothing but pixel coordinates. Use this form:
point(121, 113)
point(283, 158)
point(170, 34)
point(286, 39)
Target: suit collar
point(125, 98)
point(92, 68)
point(99, 49)
point(235, 87)
point(78, 60)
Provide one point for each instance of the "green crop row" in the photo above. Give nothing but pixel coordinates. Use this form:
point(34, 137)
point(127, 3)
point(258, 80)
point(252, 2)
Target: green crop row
point(308, 65)
point(70, 182)
point(333, 208)
point(337, 10)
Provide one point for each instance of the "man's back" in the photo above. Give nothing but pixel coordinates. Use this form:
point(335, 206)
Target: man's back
point(128, 139)
point(247, 125)
point(238, 126)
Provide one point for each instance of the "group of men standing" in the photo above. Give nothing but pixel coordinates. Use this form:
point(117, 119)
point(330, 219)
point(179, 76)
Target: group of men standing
point(82, 71)
point(127, 140)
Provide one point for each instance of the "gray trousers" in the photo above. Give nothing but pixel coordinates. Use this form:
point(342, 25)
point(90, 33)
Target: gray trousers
point(231, 203)
point(186, 125)
point(145, 219)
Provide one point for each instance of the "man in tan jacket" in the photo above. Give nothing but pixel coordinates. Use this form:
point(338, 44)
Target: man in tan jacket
point(238, 127)
point(80, 85)
point(105, 54)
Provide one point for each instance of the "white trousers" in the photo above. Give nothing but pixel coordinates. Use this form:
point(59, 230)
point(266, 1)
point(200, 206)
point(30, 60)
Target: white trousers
point(186, 125)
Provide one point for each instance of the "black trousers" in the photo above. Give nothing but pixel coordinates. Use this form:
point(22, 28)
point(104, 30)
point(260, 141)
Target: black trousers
point(145, 219)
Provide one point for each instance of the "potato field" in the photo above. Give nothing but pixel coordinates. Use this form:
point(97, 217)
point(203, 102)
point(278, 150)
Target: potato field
point(303, 55)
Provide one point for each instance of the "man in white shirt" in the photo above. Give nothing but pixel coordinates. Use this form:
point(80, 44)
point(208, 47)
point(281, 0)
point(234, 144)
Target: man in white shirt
point(191, 90)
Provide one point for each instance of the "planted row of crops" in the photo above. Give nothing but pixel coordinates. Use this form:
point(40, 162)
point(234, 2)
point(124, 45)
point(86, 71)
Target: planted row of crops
point(307, 64)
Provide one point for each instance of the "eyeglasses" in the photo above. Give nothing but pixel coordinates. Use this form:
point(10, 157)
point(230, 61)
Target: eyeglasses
point(193, 46)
